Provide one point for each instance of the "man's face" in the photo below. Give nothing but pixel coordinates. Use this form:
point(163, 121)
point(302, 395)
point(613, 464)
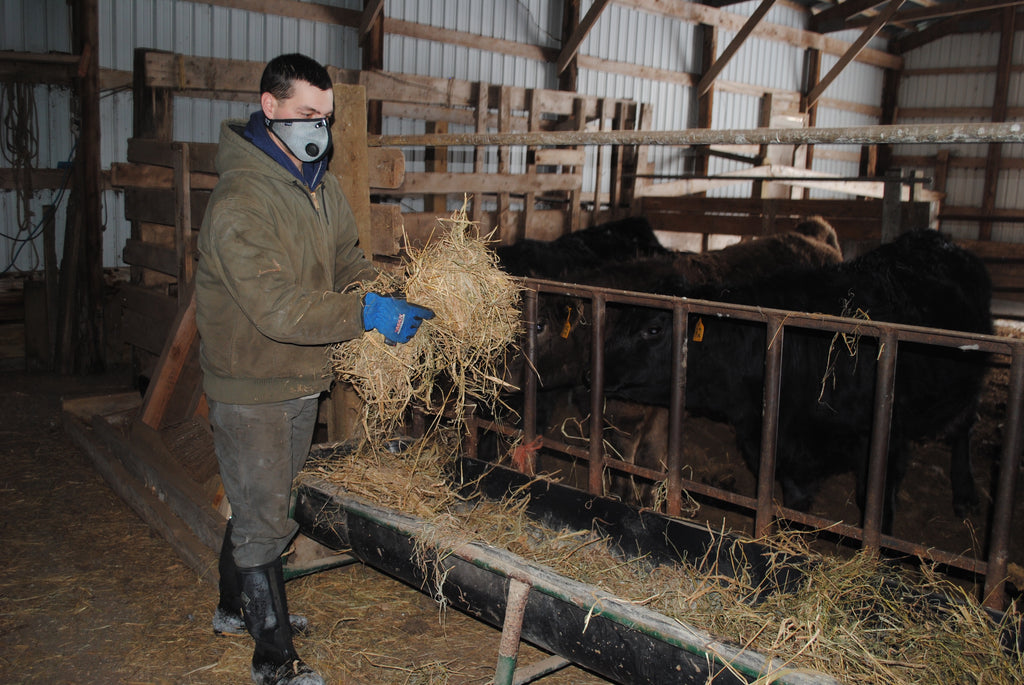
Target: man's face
point(306, 102)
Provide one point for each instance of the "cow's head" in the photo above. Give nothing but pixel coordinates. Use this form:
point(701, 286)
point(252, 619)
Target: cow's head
point(638, 356)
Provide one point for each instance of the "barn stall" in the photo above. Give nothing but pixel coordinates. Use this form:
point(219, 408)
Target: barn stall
point(540, 204)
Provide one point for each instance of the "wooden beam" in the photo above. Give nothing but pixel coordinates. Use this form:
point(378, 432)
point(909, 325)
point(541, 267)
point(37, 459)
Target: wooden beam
point(179, 349)
point(568, 79)
point(999, 109)
point(294, 9)
point(573, 45)
point(946, 9)
point(933, 32)
point(834, 18)
point(371, 12)
point(696, 13)
point(854, 50)
point(733, 47)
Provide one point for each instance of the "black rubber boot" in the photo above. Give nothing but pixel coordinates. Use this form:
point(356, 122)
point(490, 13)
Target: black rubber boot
point(265, 609)
point(227, 618)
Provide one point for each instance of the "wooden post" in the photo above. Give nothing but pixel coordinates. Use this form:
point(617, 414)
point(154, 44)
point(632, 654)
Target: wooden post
point(88, 175)
point(183, 217)
point(52, 275)
point(480, 152)
point(436, 161)
point(502, 226)
point(350, 164)
point(153, 115)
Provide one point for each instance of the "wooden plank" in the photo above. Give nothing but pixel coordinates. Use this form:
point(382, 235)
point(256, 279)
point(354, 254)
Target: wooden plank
point(387, 228)
point(855, 49)
point(423, 183)
point(157, 305)
point(149, 256)
point(350, 162)
point(148, 176)
point(143, 500)
point(551, 156)
point(546, 224)
point(708, 79)
point(156, 205)
point(697, 13)
point(386, 167)
point(160, 153)
point(171, 378)
point(469, 40)
point(371, 13)
point(184, 245)
point(572, 46)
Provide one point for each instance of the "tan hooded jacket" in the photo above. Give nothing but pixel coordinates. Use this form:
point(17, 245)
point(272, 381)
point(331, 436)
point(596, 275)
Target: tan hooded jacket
point(273, 260)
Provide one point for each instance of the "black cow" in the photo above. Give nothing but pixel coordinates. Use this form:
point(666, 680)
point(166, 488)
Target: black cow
point(594, 247)
point(824, 427)
point(563, 341)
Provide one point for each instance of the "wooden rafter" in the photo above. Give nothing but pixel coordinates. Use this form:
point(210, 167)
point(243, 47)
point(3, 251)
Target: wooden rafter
point(730, 51)
point(834, 18)
point(999, 110)
point(851, 54)
point(951, 9)
point(945, 27)
point(371, 12)
point(573, 45)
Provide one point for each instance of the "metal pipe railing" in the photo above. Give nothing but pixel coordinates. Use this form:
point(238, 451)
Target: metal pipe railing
point(890, 336)
point(1006, 132)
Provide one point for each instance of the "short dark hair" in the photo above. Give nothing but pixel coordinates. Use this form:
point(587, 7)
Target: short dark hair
point(281, 73)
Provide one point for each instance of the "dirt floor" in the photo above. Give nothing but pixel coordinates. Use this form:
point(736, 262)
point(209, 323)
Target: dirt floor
point(89, 594)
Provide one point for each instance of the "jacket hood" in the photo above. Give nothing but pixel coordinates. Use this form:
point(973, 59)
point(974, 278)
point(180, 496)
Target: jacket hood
point(246, 147)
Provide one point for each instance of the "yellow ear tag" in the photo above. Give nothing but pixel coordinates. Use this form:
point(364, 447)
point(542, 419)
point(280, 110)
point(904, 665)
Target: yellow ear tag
point(698, 331)
point(567, 326)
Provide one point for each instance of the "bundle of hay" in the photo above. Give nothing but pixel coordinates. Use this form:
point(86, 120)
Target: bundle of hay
point(458, 354)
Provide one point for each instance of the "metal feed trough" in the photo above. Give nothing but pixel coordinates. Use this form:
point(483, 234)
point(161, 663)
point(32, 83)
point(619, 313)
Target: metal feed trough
point(580, 623)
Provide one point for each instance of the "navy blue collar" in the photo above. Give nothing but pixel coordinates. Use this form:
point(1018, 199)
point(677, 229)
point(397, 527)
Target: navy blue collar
point(256, 133)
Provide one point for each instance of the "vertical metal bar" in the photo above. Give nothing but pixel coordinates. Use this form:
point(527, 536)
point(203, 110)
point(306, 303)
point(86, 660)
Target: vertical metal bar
point(878, 458)
point(995, 573)
point(677, 404)
point(529, 375)
point(508, 649)
point(774, 333)
point(595, 482)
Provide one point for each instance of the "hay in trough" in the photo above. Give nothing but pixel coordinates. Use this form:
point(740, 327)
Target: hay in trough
point(857, 619)
point(456, 357)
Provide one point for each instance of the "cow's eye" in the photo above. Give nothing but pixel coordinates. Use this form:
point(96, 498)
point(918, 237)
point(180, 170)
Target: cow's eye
point(651, 332)
point(541, 326)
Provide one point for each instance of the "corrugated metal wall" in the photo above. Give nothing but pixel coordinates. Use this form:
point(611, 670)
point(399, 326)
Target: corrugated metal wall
point(33, 26)
point(965, 186)
point(621, 34)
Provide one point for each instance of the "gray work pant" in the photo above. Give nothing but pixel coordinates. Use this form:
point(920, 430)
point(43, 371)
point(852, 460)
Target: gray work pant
point(260, 449)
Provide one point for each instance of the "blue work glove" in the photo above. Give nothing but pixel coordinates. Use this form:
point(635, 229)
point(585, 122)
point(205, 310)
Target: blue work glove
point(396, 319)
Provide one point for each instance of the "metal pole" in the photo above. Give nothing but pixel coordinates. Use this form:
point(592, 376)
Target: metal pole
point(596, 472)
point(1008, 132)
point(878, 458)
point(508, 650)
point(677, 403)
point(774, 333)
point(995, 573)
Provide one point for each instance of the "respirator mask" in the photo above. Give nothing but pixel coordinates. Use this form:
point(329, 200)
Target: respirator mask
point(307, 139)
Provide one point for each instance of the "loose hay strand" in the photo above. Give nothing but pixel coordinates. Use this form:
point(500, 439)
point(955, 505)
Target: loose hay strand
point(455, 357)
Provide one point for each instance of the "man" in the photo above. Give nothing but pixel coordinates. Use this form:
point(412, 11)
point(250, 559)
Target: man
point(278, 250)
